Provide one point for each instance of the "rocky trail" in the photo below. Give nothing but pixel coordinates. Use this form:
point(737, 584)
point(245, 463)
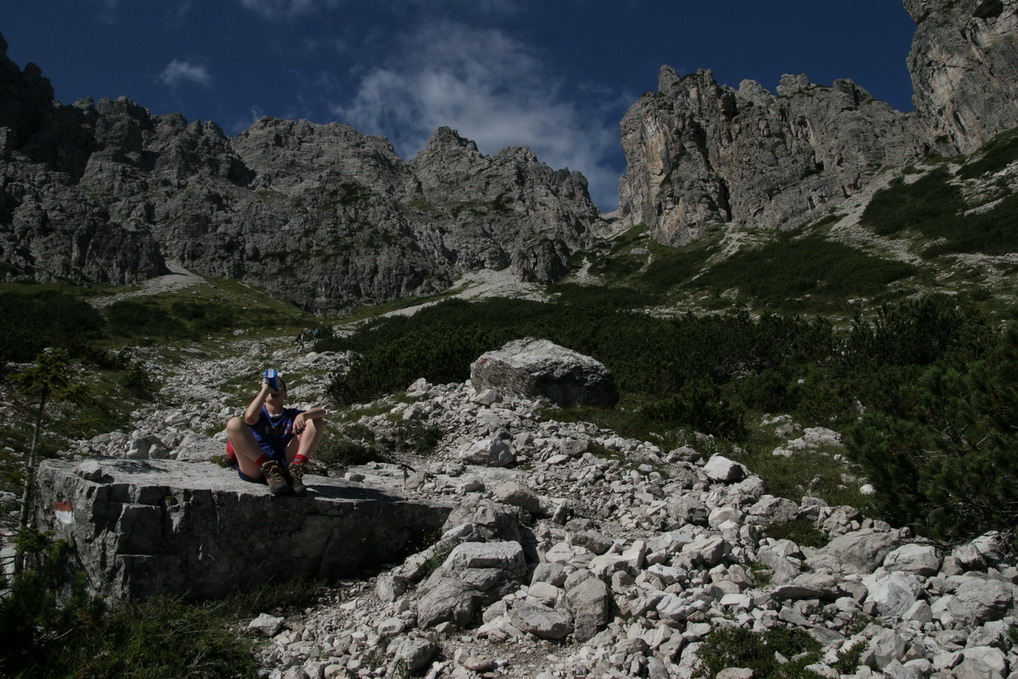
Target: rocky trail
point(574, 552)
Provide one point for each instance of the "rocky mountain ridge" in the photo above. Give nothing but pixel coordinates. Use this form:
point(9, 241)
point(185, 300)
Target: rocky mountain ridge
point(319, 214)
point(329, 218)
point(702, 155)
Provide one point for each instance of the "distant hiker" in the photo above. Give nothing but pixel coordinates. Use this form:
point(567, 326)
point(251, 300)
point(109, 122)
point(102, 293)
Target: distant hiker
point(300, 339)
point(317, 333)
point(271, 444)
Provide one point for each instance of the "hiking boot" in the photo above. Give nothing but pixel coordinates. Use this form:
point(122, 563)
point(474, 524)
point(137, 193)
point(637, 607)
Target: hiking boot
point(297, 476)
point(274, 477)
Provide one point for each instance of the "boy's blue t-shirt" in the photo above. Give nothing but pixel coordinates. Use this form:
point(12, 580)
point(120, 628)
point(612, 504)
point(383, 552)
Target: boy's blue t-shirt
point(274, 432)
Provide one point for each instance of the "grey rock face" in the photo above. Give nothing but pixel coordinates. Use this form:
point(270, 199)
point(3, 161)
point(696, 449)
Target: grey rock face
point(858, 552)
point(537, 367)
point(700, 154)
point(963, 62)
point(165, 527)
point(591, 604)
point(541, 621)
point(474, 574)
point(319, 214)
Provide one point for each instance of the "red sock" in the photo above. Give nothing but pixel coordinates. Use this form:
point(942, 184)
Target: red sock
point(300, 459)
point(262, 460)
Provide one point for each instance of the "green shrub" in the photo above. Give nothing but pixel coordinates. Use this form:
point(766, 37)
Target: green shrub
point(995, 155)
point(992, 232)
point(136, 380)
point(810, 268)
point(128, 318)
point(699, 405)
point(738, 647)
point(915, 332)
point(34, 321)
point(933, 207)
point(416, 437)
point(205, 317)
point(920, 205)
point(349, 446)
point(944, 458)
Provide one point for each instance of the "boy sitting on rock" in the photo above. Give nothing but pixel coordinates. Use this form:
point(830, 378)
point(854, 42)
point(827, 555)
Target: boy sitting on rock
point(271, 444)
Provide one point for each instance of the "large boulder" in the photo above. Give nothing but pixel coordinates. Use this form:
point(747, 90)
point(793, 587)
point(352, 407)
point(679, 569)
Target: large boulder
point(857, 552)
point(538, 368)
point(474, 574)
point(149, 527)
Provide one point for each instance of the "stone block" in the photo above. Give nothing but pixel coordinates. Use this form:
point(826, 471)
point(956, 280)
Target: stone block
point(148, 527)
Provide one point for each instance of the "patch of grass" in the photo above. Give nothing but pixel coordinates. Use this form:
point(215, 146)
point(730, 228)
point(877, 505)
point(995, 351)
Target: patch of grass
point(761, 573)
point(812, 473)
point(598, 296)
point(419, 438)
point(799, 531)
point(850, 659)
point(363, 313)
point(673, 267)
point(351, 445)
point(618, 266)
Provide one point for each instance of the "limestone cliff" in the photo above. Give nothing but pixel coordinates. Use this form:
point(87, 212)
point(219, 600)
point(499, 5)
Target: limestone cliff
point(320, 214)
point(51, 227)
point(963, 63)
point(700, 153)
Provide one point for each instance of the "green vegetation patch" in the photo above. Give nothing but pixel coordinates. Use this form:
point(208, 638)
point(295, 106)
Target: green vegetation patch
point(81, 636)
point(997, 154)
point(215, 306)
point(919, 205)
point(933, 207)
point(994, 232)
point(799, 531)
point(739, 647)
point(807, 268)
point(640, 264)
point(48, 318)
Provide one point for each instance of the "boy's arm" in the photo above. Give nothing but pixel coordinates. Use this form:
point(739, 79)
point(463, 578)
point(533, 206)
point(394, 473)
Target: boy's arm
point(254, 409)
point(302, 418)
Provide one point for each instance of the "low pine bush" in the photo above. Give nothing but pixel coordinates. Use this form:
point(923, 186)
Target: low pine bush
point(738, 647)
point(36, 320)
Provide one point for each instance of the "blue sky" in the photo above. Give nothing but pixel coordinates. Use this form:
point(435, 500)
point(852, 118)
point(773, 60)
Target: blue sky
point(555, 75)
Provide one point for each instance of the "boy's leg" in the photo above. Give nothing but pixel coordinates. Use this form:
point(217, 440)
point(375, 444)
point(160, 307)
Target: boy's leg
point(306, 443)
point(249, 453)
point(299, 451)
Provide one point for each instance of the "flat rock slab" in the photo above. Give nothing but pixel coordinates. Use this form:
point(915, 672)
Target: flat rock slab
point(148, 527)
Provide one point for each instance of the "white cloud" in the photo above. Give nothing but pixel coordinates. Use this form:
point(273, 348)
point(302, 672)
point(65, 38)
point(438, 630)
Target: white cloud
point(276, 9)
point(107, 10)
point(473, 6)
point(178, 71)
point(492, 89)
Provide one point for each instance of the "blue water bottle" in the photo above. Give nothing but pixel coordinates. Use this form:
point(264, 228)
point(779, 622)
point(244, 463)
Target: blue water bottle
point(272, 379)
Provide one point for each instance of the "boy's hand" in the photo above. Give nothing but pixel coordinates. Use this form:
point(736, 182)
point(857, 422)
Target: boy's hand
point(299, 423)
